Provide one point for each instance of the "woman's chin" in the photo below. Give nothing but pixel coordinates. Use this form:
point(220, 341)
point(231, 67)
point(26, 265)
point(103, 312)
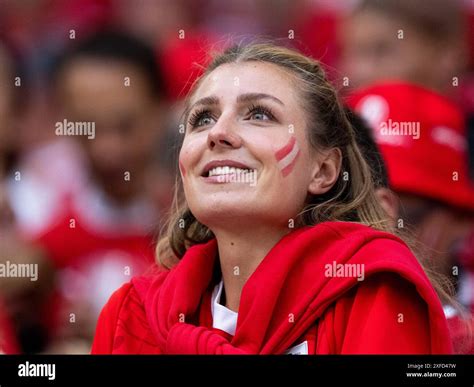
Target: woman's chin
point(226, 213)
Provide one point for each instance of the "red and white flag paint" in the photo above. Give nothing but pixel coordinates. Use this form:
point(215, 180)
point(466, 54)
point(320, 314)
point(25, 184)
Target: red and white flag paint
point(287, 156)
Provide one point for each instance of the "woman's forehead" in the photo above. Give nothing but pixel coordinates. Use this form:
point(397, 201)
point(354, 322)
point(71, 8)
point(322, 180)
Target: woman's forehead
point(230, 80)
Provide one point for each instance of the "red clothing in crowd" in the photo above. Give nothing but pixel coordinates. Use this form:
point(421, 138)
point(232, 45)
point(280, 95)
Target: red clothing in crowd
point(292, 297)
point(8, 341)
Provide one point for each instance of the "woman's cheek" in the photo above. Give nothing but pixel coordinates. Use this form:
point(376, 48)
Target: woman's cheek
point(189, 155)
point(183, 161)
point(287, 155)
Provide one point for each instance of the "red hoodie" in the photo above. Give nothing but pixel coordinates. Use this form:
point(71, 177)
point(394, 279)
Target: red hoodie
point(293, 296)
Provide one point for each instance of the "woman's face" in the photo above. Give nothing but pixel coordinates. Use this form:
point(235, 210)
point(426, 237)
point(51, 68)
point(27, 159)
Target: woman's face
point(245, 160)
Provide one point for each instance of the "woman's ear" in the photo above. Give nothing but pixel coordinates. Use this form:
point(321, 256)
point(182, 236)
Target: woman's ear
point(325, 172)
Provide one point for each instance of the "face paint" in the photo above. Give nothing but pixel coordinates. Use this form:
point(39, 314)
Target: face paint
point(287, 156)
point(181, 168)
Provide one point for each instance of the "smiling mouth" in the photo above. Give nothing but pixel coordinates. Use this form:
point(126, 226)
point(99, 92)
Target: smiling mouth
point(227, 170)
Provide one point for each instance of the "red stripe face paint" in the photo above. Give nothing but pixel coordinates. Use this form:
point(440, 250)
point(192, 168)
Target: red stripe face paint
point(287, 156)
point(181, 168)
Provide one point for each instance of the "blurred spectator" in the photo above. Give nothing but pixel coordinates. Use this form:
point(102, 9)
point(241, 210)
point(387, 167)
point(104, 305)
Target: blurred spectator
point(110, 81)
point(39, 29)
point(91, 198)
point(366, 142)
point(421, 135)
point(156, 21)
point(430, 45)
point(413, 40)
point(26, 304)
point(422, 138)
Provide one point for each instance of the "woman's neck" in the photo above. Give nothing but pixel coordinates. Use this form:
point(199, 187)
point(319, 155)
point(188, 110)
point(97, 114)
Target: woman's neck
point(240, 253)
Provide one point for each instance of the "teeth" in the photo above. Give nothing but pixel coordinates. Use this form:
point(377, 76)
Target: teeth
point(226, 171)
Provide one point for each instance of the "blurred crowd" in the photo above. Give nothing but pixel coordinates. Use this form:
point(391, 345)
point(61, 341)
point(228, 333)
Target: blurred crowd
point(91, 96)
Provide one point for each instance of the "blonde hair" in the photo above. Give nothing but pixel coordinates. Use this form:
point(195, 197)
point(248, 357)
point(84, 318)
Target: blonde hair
point(352, 198)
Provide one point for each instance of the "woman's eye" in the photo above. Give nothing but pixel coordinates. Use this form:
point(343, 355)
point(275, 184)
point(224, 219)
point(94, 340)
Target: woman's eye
point(203, 121)
point(260, 113)
point(260, 116)
point(199, 119)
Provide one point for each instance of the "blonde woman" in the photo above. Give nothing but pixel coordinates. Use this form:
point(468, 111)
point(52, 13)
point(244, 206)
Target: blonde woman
point(277, 243)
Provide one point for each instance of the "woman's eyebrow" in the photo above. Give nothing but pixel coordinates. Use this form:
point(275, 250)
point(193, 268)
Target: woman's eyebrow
point(249, 97)
point(242, 98)
point(206, 101)
point(211, 100)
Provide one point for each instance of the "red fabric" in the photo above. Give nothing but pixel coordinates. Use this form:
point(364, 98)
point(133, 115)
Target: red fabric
point(318, 37)
point(433, 165)
point(182, 62)
point(83, 249)
point(287, 299)
point(8, 340)
point(462, 330)
point(68, 246)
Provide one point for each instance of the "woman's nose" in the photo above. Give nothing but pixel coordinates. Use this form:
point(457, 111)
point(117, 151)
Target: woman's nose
point(224, 134)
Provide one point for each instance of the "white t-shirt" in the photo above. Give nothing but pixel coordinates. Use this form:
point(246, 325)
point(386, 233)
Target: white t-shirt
point(222, 318)
point(226, 320)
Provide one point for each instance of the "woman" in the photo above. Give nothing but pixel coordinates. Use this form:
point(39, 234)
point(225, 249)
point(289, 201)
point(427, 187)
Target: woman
point(278, 245)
